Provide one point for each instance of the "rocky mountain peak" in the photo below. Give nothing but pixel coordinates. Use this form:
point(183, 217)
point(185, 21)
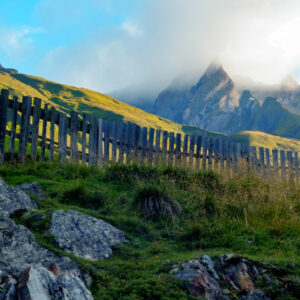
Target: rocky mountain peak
point(213, 68)
point(290, 83)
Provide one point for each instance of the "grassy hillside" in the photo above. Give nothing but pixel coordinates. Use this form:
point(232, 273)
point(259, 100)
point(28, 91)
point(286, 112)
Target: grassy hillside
point(248, 215)
point(66, 98)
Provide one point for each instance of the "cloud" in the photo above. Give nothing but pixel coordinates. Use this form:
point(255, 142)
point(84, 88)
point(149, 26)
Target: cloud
point(166, 38)
point(16, 43)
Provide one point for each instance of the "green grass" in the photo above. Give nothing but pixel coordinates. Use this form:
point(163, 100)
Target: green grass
point(249, 215)
point(66, 98)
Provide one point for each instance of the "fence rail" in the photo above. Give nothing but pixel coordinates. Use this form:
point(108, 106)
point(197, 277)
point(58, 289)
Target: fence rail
point(97, 142)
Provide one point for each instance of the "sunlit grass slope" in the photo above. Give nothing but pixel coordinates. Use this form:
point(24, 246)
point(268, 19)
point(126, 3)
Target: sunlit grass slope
point(66, 98)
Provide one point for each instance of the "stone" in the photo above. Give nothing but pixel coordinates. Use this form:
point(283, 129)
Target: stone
point(19, 250)
point(200, 282)
point(39, 283)
point(84, 236)
point(33, 188)
point(13, 199)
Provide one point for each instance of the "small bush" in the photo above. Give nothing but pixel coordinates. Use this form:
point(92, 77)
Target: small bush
point(153, 203)
point(79, 195)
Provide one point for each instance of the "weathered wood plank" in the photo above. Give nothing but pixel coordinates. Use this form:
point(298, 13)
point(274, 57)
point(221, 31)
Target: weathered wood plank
point(210, 153)
point(144, 144)
point(283, 164)
point(106, 140)
point(74, 136)
point(129, 143)
point(52, 132)
point(171, 148)
point(137, 137)
point(13, 126)
point(178, 149)
point(290, 165)
point(83, 139)
point(268, 160)
point(254, 157)
point(3, 121)
point(261, 158)
point(157, 146)
point(100, 129)
point(150, 146)
point(198, 152)
point(122, 135)
point(192, 151)
point(62, 138)
point(185, 150)
point(93, 141)
point(44, 132)
point(221, 154)
point(296, 165)
point(35, 127)
point(275, 160)
point(216, 154)
point(114, 141)
point(165, 146)
point(204, 153)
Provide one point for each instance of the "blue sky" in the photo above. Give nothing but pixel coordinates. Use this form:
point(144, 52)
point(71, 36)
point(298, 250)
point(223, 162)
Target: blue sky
point(33, 28)
point(108, 45)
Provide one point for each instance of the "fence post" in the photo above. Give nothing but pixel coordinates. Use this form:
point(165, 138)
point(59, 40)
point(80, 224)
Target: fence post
point(282, 164)
point(106, 140)
point(150, 145)
point(44, 133)
point(165, 146)
point(74, 136)
point(210, 153)
point(114, 141)
point(52, 132)
point(198, 152)
point(122, 136)
point(171, 148)
point(137, 132)
point(99, 144)
point(3, 121)
point(24, 130)
point(296, 163)
point(84, 132)
point(144, 144)
point(204, 153)
point(13, 126)
point(35, 126)
point(93, 142)
point(185, 150)
point(192, 150)
point(178, 150)
point(62, 138)
point(157, 146)
point(290, 165)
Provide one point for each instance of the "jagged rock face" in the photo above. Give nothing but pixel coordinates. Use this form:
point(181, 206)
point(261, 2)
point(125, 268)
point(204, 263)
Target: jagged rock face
point(19, 250)
point(84, 236)
point(13, 199)
point(33, 188)
point(38, 283)
point(203, 278)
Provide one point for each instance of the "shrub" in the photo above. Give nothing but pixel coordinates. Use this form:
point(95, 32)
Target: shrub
point(154, 203)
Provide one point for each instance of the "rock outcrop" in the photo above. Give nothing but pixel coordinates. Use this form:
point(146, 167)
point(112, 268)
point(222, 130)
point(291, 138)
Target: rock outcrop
point(13, 199)
point(33, 188)
point(29, 271)
point(228, 277)
point(84, 236)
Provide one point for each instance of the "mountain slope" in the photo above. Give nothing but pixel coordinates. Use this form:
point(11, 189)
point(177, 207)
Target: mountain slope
point(65, 98)
point(215, 104)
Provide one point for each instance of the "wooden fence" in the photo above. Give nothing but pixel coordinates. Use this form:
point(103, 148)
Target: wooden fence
point(45, 133)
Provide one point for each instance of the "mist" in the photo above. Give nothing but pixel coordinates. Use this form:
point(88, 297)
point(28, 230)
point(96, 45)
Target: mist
point(167, 39)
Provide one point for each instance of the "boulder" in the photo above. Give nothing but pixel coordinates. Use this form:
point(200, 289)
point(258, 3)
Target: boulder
point(39, 283)
point(204, 277)
point(13, 199)
point(33, 188)
point(84, 236)
point(19, 250)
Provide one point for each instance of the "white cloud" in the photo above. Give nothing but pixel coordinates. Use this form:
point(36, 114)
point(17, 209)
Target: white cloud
point(251, 37)
point(17, 42)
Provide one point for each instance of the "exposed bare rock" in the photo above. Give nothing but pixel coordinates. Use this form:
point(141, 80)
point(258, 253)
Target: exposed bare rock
point(84, 236)
point(13, 199)
point(33, 188)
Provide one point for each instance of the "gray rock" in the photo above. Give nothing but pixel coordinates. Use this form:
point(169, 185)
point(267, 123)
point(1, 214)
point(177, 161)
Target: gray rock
point(13, 199)
point(38, 283)
point(84, 236)
point(200, 282)
point(33, 188)
point(19, 250)
point(255, 295)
